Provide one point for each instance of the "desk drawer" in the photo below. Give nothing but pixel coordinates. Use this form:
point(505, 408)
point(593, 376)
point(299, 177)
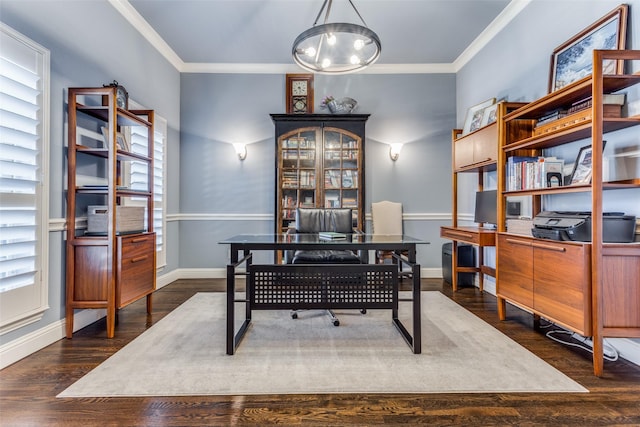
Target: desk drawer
point(460, 235)
point(473, 235)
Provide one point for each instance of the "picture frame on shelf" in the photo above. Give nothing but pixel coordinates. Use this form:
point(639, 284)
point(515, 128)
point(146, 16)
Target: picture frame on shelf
point(572, 60)
point(473, 119)
point(582, 168)
point(489, 115)
point(121, 142)
point(105, 137)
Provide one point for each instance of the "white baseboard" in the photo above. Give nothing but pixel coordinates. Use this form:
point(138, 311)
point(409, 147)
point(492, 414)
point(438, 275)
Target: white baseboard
point(30, 343)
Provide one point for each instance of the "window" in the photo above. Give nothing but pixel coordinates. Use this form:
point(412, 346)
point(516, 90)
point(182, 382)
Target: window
point(24, 158)
point(138, 177)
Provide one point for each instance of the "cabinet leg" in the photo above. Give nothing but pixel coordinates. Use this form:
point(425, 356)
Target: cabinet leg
point(111, 321)
point(536, 322)
point(149, 303)
point(502, 309)
point(598, 356)
point(69, 321)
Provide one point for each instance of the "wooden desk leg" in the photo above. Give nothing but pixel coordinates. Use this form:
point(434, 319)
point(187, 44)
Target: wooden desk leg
point(480, 264)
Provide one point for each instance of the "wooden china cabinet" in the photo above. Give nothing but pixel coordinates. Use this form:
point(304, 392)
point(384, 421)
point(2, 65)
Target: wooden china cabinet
point(319, 164)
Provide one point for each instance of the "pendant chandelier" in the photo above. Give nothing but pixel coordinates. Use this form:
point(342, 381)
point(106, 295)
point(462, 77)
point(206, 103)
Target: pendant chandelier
point(336, 48)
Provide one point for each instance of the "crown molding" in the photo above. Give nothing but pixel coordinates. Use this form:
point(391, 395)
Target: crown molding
point(498, 24)
point(146, 30)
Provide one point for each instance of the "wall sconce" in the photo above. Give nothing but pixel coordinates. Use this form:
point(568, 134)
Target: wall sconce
point(394, 151)
point(241, 150)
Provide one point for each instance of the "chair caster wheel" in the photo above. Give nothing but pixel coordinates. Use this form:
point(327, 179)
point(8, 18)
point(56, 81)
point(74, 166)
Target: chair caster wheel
point(294, 315)
point(336, 323)
point(363, 311)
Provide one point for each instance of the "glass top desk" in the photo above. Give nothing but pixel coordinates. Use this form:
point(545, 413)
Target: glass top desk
point(322, 286)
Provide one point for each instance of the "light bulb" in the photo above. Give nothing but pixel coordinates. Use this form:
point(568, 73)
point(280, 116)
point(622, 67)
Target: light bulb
point(331, 39)
point(310, 51)
point(326, 62)
point(358, 44)
point(355, 60)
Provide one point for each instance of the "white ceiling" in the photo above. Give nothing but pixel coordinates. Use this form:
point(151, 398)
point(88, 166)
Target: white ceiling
point(257, 35)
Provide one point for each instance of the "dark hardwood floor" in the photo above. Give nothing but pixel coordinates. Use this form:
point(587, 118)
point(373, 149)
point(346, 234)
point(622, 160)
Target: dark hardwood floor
point(28, 387)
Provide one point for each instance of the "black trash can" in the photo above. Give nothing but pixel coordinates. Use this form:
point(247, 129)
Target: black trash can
point(466, 258)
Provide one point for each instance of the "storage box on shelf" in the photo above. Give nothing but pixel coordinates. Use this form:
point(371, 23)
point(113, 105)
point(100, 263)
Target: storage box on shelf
point(592, 288)
point(113, 262)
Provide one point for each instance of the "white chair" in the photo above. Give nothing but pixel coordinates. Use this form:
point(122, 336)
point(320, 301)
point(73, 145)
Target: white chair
point(387, 220)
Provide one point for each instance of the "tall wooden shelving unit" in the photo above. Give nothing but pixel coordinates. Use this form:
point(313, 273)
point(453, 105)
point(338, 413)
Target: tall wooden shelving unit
point(112, 269)
point(475, 153)
point(592, 288)
point(319, 164)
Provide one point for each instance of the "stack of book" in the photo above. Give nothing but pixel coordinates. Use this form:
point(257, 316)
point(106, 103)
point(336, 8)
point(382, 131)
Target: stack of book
point(331, 235)
point(579, 112)
point(553, 116)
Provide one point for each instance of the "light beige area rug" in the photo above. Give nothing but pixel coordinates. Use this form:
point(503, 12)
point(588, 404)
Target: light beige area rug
point(184, 354)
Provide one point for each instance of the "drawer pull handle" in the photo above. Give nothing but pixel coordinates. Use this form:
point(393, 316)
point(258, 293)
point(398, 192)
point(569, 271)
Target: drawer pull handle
point(140, 258)
point(139, 239)
point(518, 242)
point(460, 234)
point(549, 247)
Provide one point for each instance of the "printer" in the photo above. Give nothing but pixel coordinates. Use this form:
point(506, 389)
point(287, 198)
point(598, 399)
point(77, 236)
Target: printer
point(576, 226)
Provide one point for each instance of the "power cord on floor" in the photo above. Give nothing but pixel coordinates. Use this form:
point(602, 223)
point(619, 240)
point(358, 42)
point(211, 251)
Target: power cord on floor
point(609, 353)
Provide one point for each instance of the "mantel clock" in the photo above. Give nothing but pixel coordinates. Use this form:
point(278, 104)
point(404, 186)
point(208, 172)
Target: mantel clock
point(299, 94)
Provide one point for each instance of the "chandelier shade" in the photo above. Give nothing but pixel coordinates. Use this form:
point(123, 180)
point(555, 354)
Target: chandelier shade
point(336, 48)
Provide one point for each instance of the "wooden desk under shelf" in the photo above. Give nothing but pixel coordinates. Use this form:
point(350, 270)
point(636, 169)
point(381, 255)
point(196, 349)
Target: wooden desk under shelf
point(476, 236)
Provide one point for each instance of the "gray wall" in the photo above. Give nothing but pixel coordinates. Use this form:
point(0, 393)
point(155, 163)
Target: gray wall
point(211, 194)
point(220, 109)
point(91, 44)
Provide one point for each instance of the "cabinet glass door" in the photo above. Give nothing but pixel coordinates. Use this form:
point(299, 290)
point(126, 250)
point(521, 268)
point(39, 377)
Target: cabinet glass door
point(298, 160)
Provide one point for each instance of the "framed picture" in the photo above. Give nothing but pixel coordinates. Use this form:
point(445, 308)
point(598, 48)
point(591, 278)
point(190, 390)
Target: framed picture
point(473, 120)
point(489, 115)
point(105, 137)
point(121, 142)
point(582, 168)
point(573, 60)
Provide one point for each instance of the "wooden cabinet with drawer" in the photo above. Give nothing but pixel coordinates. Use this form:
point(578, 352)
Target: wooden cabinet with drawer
point(110, 261)
point(136, 267)
point(549, 278)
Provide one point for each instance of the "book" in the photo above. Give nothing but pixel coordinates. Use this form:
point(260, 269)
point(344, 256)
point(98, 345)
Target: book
point(331, 235)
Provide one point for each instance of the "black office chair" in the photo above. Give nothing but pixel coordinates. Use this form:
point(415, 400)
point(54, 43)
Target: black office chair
point(316, 220)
